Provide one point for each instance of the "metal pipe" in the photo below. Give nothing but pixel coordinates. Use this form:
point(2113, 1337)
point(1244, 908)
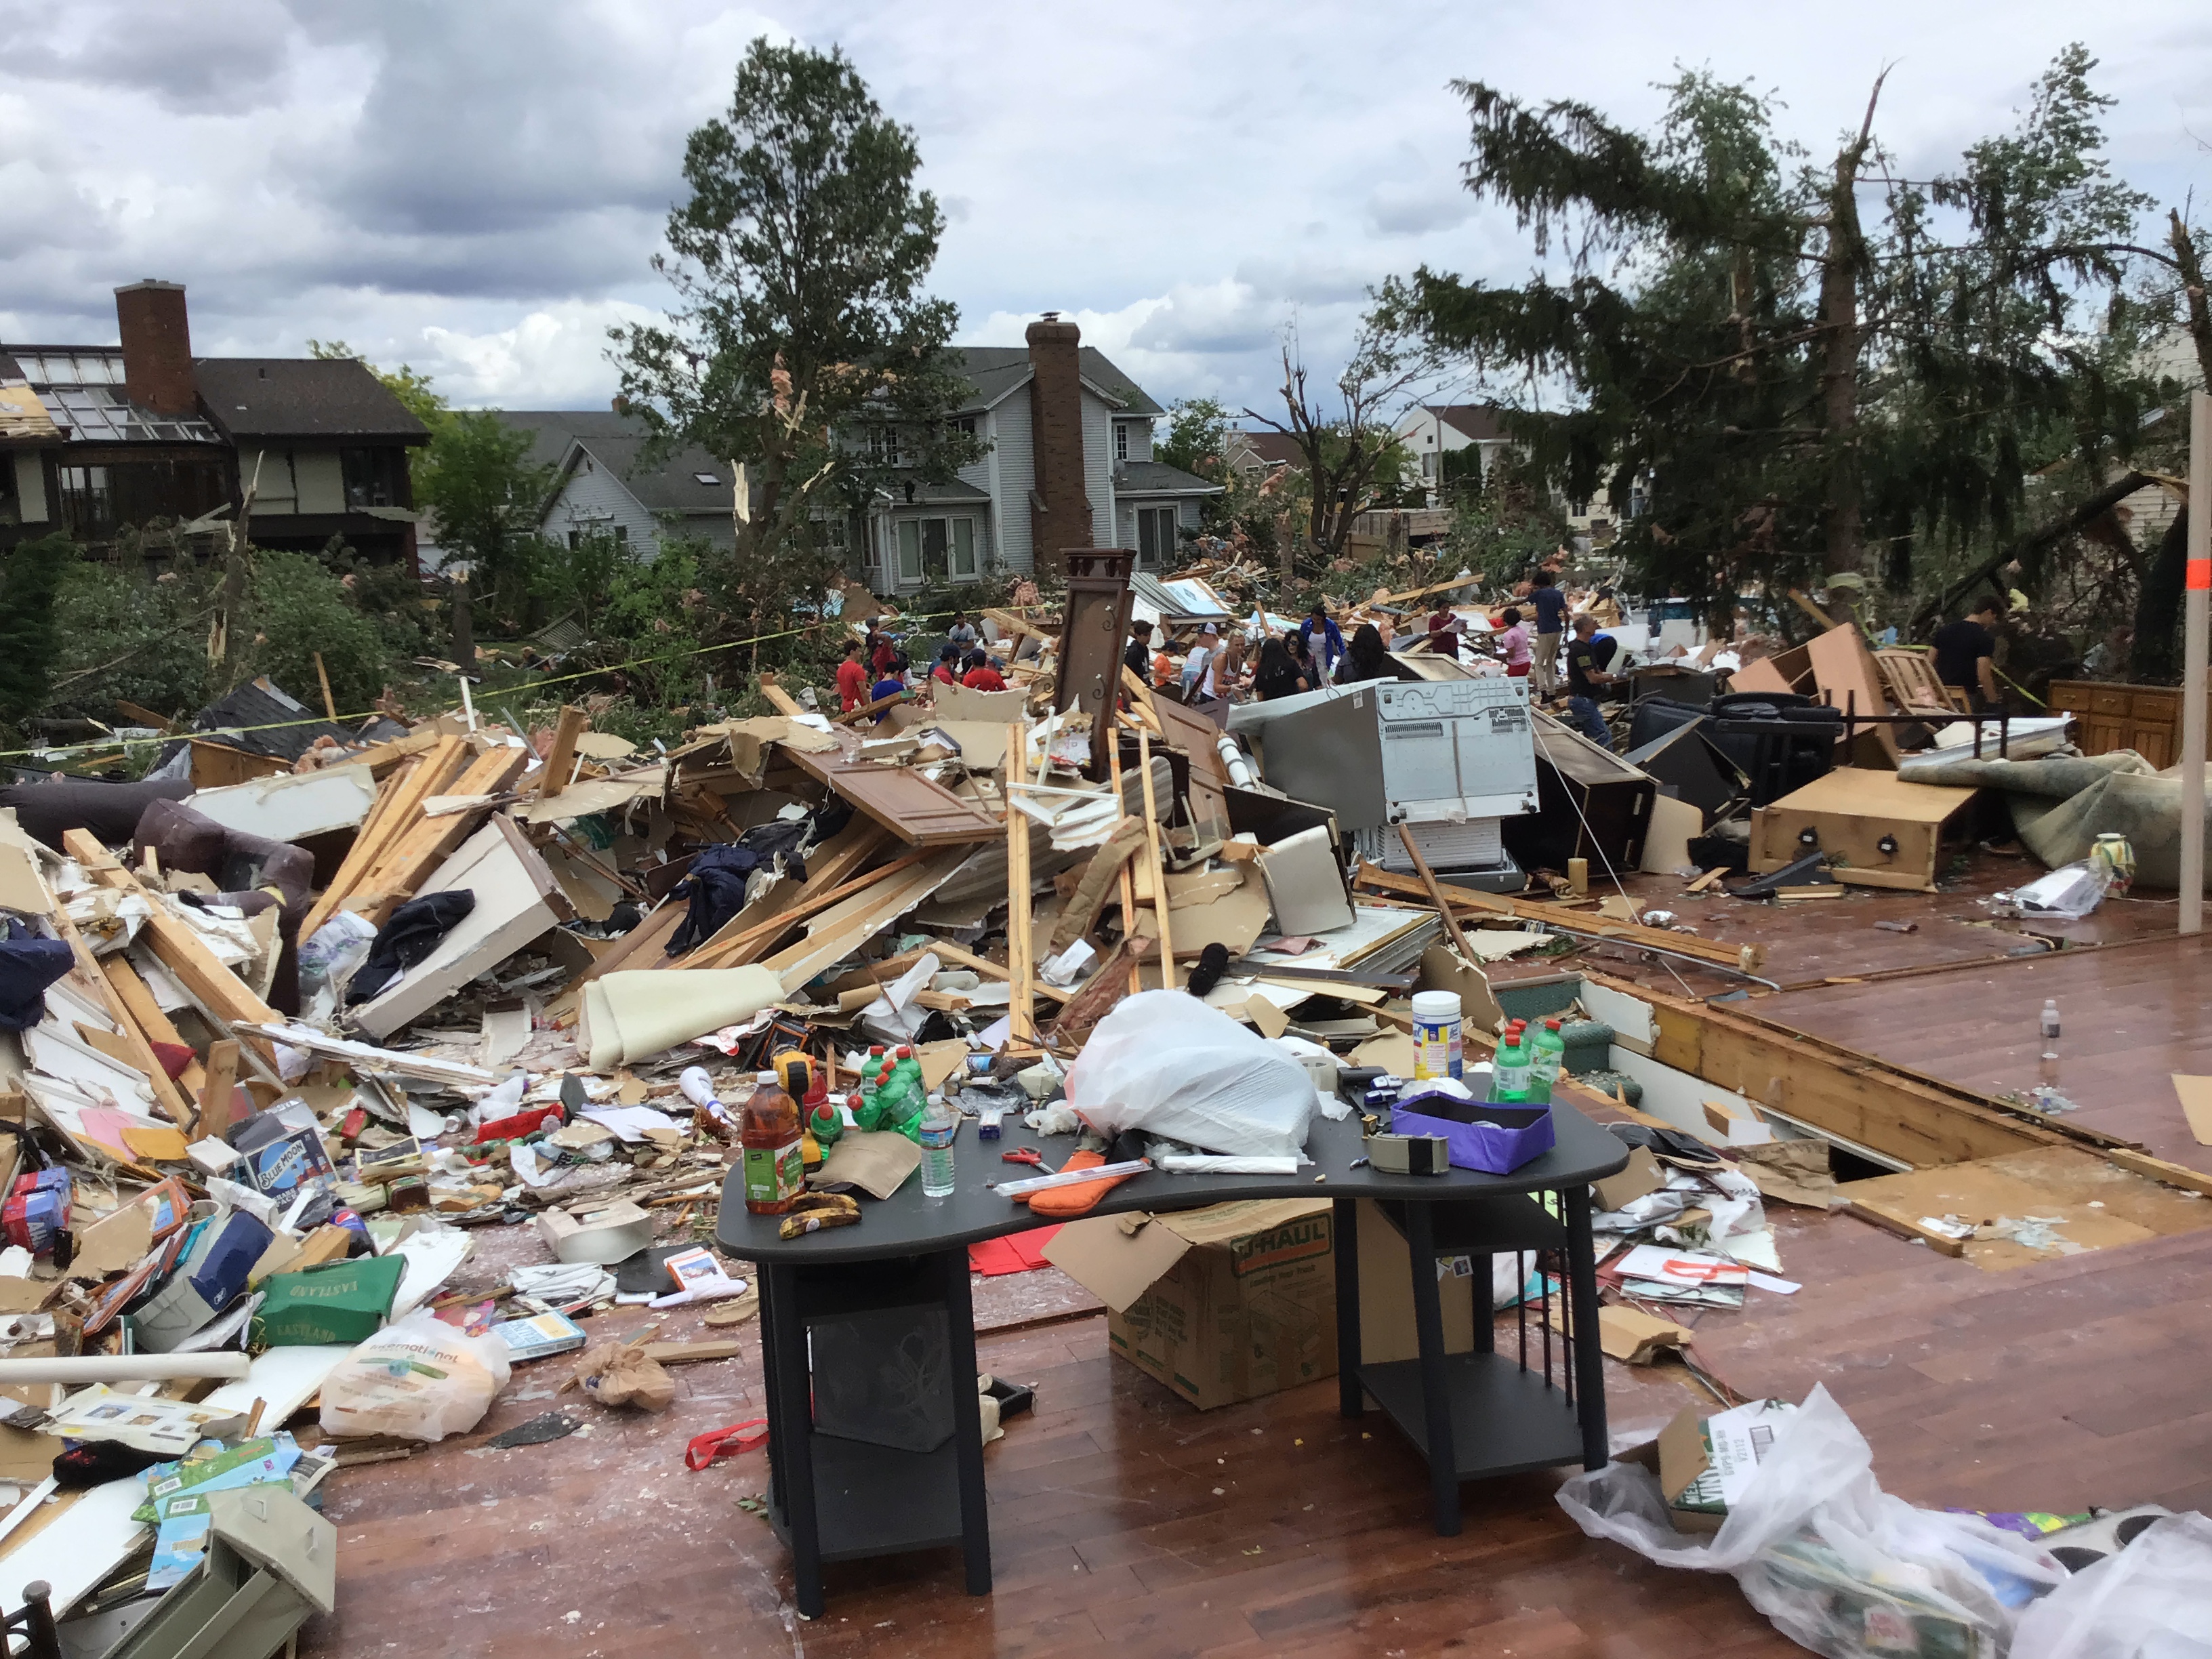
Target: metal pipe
point(83, 1369)
point(2196, 598)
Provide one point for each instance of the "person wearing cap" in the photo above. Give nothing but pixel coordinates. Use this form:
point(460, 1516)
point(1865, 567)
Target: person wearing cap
point(981, 675)
point(1197, 676)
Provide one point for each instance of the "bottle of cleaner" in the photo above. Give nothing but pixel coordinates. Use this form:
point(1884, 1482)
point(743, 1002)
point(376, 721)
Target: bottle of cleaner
point(769, 1133)
point(1551, 1056)
point(1510, 1070)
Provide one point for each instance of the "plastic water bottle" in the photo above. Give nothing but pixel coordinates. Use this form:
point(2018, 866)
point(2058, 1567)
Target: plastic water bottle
point(940, 1123)
point(1551, 1055)
point(2048, 1024)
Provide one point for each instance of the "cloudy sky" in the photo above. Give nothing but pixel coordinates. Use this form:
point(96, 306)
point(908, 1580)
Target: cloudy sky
point(475, 187)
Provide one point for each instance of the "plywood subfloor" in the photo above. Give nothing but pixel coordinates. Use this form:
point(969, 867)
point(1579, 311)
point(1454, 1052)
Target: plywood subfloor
point(2131, 1016)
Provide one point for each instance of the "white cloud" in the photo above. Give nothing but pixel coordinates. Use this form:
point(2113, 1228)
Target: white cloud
point(478, 189)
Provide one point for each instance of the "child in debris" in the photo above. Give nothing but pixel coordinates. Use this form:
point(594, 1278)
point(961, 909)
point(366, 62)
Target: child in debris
point(1513, 643)
point(980, 675)
point(1443, 635)
point(1278, 675)
point(852, 680)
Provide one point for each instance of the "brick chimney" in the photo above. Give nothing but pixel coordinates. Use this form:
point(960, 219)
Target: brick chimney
point(157, 348)
point(1060, 511)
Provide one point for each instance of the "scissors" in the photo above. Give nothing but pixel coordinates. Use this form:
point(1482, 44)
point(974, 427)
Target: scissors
point(1027, 1155)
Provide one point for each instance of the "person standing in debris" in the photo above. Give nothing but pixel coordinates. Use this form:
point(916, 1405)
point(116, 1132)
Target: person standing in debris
point(948, 666)
point(1198, 667)
point(1551, 608)
point(1513, 643)
point(1965, 653)
point(1138, 657)
point(1302, 658)
point(1365, 657)
point(1329, 651)
point(1589, 654)
point(1230, 680)
point(962, 635)
point(2107, 659)
point(852, 680)
point(1278, 675)
point(1443, 635)
point(980, 675)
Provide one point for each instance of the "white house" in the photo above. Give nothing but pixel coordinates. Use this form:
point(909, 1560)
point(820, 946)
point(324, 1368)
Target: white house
point(1067, 458)
point(1431, 431)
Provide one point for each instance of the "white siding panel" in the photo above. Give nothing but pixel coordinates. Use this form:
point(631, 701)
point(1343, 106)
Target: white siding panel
point(591, 498)
point(30, 486)
point(1098, 467)
point(321, 480)
point(274, 491)
point(1016, 459)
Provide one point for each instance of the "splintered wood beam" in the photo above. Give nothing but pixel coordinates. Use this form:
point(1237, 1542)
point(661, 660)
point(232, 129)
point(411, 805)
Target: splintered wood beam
point(1020, 952)
point(778, 699)
point(553, 776)
point(1158, 868)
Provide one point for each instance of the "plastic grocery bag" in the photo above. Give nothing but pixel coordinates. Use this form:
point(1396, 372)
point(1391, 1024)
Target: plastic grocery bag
point(1838, 1565)
point(1163, 1063)
point(2150, 1600)
point(419, 1378)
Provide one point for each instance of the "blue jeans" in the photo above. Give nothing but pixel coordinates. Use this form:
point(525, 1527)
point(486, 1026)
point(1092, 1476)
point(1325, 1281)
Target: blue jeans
point(1586, 720)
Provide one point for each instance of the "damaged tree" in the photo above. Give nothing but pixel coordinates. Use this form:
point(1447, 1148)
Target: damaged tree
point(804, 348)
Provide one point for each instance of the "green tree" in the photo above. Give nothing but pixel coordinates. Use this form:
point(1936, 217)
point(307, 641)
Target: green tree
point(804, 348)
point(487, 494)
point(1353, 459)
point(1807, 366)
point(296, 609)
point(1197, 435)
point(30, 635)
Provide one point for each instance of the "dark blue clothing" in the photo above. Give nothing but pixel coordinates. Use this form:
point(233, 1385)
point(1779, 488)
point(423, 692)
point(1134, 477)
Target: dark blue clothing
point(1551, 609)
point(1332, 643)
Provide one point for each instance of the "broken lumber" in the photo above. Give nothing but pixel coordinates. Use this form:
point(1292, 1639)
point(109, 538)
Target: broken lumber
point(1565, 920)
point(427, 841)
point(216, 989)
point(398, 808)
point(553, 776)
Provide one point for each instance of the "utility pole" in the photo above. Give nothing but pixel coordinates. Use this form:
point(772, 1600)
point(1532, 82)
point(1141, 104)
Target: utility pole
point(2197, 600)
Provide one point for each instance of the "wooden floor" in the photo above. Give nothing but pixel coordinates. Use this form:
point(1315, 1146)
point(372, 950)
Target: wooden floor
point(1125, 1521)
point(2131, 1015)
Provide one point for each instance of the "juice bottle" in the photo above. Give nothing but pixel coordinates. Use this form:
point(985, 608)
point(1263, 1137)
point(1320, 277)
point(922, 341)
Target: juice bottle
point(769, 1133)
point(1551, 1055)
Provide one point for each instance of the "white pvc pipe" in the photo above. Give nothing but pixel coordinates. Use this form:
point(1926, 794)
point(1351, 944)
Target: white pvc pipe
point(1239, 770)
point(123, 1368)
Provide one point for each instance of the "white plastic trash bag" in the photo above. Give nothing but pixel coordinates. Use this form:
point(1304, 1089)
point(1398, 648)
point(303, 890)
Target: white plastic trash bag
point(2150, 1600)
point(419, 1379)
point(1165, 1063)
point(1838, 1565)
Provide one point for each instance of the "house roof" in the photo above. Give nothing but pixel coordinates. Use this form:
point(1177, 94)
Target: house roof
point(1475, 421)
point(1158, 478)
point(1273, 447)
point(80, 391)
point(560, 436)
point(994, 371)
point(302, 398)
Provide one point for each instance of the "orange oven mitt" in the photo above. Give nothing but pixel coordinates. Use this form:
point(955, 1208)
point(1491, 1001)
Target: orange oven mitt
point(1079, 1197)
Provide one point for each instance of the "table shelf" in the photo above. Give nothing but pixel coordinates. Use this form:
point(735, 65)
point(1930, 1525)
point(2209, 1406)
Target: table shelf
point(1503, 1419)
point(877, 1500)
point(1485, 1227)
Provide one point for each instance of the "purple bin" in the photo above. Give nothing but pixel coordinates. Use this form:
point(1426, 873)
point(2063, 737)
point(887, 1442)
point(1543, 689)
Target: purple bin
point(1497, 1137)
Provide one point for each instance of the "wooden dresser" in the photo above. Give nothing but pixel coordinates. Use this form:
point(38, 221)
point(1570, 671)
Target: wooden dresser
point(2144, 718)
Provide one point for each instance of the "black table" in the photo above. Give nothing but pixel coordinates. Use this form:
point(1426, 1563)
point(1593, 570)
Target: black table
point(832, 1498)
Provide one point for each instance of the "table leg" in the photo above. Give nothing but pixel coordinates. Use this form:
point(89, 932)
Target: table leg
point(1589, 1359)
point(1436, 1389)
point(1344, 1224)
point(967, 1423)
point(1486, 1315)
point(791, 1427)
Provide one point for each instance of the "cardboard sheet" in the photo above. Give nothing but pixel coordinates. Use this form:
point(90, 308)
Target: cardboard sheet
point(2196, 1094)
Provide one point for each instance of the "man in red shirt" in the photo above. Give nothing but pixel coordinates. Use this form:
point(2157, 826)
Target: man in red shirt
point(981, 675)
point(852, 680)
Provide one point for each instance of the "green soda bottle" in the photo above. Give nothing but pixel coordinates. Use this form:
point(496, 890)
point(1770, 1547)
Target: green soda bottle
point(1551, 1055)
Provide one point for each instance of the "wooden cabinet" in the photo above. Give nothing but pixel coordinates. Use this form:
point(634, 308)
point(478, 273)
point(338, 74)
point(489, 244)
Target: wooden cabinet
point(2108, 717)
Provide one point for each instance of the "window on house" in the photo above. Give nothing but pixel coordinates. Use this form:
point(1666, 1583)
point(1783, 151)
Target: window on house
point(966, 425)
point(1121, 441)
point(375, 477)
point(887, 446)
point(87, 502)
point(937, 550)
point(1428, 466)
point(1156, 536)
point(706, 478)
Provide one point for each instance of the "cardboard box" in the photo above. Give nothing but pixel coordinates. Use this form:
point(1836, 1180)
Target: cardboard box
point(1222, 1304)
point(1706, 1462)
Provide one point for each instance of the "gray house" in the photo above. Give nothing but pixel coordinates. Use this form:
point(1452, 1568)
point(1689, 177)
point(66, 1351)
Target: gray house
point(1067, 463)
